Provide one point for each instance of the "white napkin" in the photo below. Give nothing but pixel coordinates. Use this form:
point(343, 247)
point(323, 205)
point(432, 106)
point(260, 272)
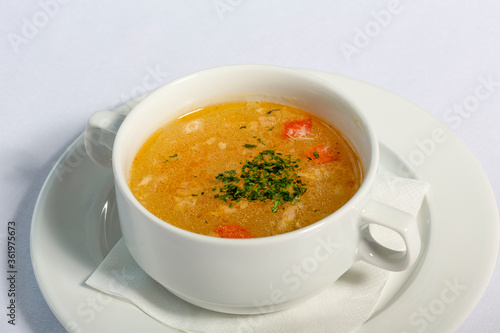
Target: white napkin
point(342, 307)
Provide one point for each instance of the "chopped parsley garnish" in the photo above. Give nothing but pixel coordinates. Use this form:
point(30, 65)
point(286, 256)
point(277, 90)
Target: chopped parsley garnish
point(227, 177)
point(272, 110)
point(316, 154)
point(249, 146)
point(243, 127)
point(269, 130)
point(260, 140)
point(268, 177)
point(171, 157)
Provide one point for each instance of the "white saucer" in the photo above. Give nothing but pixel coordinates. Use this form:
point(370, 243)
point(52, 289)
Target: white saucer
point(75, 225)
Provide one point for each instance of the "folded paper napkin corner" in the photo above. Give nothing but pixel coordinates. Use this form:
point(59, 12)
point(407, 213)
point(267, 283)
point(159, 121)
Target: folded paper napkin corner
point(342, 307)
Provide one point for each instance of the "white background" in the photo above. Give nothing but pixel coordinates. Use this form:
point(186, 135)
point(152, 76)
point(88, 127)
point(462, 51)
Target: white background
point(62, 60)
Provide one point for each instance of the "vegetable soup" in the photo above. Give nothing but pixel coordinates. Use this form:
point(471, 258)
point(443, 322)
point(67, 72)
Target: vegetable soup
point(245, 169)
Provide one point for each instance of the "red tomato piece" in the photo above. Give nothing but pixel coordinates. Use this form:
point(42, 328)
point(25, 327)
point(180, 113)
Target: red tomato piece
point(321, 154)
point(297, 128)
point(233, 230)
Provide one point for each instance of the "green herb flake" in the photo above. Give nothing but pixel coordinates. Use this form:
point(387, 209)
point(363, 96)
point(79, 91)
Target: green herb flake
point(268, 177)
point(243, 127)
point(275, 206)
point(249, 146)
point(259, 140)
point(173, 156)
point(269, 130)
point(272, 110)
point(316, 154)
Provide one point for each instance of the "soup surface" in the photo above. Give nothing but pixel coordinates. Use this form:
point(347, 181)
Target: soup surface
point(245, 169)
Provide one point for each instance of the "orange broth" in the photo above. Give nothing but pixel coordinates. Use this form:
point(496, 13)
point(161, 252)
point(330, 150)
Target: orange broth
point(179, 173)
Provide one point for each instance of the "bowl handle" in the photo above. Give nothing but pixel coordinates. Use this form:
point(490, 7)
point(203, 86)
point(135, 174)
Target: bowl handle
point(100, 134)
point(371, 251)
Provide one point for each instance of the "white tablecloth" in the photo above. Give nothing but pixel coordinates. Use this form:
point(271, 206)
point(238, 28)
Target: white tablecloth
point(62, 60)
